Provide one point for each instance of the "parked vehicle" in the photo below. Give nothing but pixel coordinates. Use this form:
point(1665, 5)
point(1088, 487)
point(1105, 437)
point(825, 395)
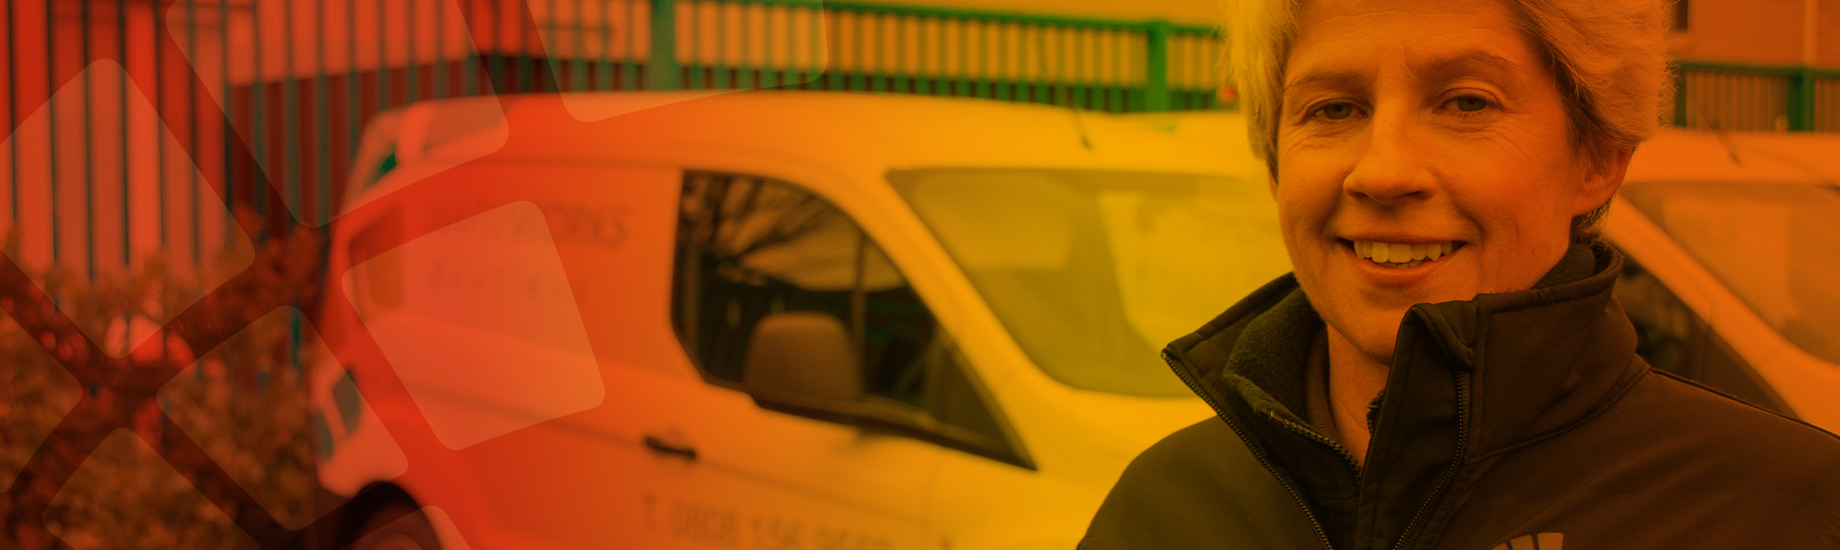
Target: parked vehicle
point(771, 320)
point(1730, 276)
point(851, 321)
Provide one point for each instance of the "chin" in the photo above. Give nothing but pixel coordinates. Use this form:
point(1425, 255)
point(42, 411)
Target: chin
point(1374, 333)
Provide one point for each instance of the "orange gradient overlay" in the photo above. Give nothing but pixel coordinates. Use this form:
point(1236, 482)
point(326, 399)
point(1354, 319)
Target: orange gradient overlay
point(766, 274)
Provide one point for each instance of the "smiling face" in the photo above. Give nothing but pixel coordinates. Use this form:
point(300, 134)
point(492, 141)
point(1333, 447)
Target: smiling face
point(1423, 156)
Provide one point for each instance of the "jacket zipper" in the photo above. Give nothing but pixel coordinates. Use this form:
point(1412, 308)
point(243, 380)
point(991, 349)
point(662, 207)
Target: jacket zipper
point(1318, 437)
point(1450, 474)
point(1182, 372)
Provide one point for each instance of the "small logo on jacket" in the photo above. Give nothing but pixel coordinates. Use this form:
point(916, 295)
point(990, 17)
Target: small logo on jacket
point(1539, 541)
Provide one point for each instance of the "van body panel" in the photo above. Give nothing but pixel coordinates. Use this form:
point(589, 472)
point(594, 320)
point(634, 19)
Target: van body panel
point(672, 457)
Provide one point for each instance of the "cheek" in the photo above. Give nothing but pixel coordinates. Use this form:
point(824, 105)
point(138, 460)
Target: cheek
point(1523, 179)
point(1516, 225)
point(1523, 236)
point(1300, 213)
point(1305, 162)
point(1306, 192)
point(1508, 195)
point(1524, 210)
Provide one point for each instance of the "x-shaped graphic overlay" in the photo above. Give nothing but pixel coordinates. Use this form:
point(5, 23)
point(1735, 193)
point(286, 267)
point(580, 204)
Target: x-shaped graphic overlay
point(120, 388)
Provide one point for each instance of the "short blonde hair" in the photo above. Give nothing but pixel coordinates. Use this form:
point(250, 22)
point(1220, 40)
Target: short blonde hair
point(1609, 58)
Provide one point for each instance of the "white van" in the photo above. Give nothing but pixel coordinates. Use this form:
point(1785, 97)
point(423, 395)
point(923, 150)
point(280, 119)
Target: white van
point(1730, 272)
point(769, 319)
point(848, 321)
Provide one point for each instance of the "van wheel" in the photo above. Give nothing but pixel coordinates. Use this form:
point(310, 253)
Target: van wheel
point(397, 527)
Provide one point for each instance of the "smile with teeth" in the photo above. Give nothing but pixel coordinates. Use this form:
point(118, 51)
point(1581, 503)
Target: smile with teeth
point(1402, 256)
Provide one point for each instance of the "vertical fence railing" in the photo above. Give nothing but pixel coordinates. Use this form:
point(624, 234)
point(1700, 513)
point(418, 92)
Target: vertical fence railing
point(1826, 92)
point(810, 45)
point(813, 45)
point(1753, 98)
point(275, 93)
point(90, 180)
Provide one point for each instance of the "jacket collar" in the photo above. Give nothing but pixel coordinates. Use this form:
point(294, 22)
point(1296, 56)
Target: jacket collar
point(1470, 379)
point(1543, 359)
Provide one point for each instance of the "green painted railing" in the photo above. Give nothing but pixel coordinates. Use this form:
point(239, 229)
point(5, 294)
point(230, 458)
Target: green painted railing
point(1744, 97)
point(813, 45)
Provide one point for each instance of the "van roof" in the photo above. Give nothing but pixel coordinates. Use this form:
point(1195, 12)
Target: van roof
point(872, 130)
point(1675, 155)
point(877, 132)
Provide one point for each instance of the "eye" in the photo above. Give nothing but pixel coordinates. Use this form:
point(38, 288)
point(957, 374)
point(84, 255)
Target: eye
point(1334, 111)
point(1470, 103)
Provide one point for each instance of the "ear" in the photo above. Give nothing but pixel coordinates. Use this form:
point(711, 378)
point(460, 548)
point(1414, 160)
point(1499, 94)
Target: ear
point(1602, 181)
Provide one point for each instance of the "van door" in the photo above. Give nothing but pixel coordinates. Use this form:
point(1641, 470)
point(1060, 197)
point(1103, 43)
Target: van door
point(852, 386)
point(527, 327)
point(683, 284)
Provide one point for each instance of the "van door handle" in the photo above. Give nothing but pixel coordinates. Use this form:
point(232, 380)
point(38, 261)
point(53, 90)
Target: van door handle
point(674, 445)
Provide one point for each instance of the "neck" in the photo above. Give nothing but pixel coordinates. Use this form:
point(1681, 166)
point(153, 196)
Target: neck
point(1355, 379)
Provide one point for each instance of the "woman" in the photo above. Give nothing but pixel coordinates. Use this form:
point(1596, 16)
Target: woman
point(1446, 367)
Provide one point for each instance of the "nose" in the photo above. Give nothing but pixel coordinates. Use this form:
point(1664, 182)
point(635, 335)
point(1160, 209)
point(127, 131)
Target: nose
point(1392, 167)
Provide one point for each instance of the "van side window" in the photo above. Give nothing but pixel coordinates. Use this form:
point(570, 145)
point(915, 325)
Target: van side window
point(751, 248)
point(747, 248)
point(1671, 337)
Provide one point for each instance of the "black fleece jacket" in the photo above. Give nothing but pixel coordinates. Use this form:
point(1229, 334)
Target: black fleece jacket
point(1513, 420)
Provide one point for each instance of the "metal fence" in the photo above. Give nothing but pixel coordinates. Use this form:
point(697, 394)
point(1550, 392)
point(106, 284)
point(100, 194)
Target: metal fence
point(1737, 97)
point(1102, 65)
point(133, 122)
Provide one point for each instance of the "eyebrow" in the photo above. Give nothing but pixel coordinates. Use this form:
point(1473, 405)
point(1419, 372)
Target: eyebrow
point(1444, 68)
point(1334, 79)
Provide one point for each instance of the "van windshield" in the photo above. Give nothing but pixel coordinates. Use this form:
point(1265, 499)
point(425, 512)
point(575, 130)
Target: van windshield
point(1094, 272)
point(1772, 244)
